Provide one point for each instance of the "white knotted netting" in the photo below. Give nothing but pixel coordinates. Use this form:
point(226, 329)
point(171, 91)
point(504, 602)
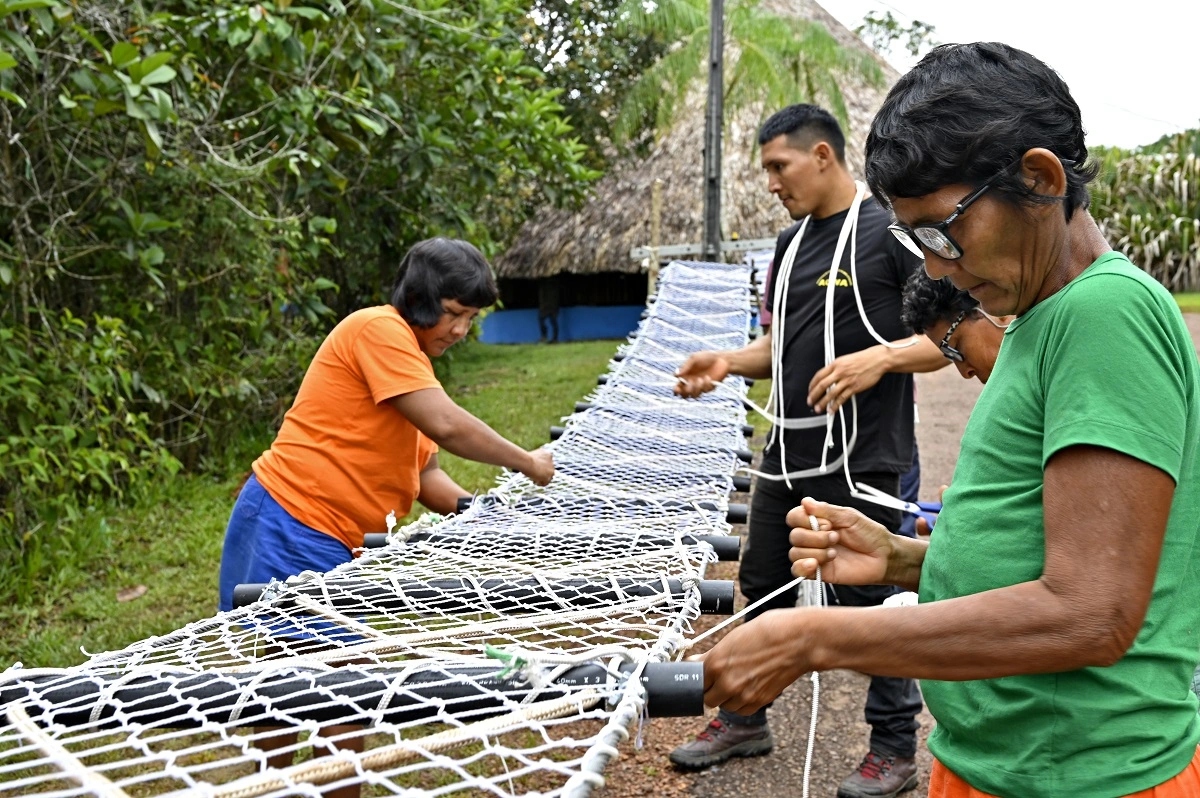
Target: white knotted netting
point(500, 651)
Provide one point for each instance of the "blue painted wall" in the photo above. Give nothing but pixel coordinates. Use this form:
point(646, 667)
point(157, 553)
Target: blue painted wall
point(580, 323)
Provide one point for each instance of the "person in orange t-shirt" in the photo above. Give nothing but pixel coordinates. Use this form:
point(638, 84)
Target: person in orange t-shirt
point(362, 437)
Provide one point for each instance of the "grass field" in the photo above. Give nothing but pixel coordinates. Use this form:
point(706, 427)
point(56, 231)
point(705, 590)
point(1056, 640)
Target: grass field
point(1188, 303)
point(170, 542)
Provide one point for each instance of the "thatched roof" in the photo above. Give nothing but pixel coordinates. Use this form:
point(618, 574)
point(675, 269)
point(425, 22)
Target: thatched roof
point(598, 237)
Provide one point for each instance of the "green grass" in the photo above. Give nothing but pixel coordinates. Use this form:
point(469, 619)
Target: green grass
point(170, 540)
point(1189, 303)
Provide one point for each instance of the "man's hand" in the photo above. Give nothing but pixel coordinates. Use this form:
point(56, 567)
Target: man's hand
point(700, 373)
point(832, 386)
point(850, 548)
point(541, 467)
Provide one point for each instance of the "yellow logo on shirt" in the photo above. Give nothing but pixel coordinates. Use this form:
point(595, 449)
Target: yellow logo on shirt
point(843, 279)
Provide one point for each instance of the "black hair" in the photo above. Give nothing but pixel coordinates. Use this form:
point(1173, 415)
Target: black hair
point(437, 269)
point(966, 114)
point(928, 301)
point(804, 125)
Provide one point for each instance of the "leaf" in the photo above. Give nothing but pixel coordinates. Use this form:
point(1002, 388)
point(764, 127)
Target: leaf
point(369, 124)
point(25, 5)
point(124, 53)
point(23, 44)
point(307, 13)
point(153, 138)
point(6, 275)
point(8, 95)
point(163, 74)
point(6, 60)
point(131, 593)
point(67, 102)
point(133, 109)
point(153, 62)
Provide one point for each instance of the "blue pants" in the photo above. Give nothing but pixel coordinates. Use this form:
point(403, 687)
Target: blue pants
point(263, 542)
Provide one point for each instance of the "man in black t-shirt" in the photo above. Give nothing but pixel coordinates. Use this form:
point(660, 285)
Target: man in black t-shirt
point(858, 392)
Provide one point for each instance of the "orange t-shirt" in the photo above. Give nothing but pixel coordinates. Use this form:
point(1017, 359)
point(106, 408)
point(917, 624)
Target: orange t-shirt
point(344, 458)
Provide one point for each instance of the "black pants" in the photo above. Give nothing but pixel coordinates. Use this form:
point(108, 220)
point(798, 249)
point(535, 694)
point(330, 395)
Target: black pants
point(892, 703)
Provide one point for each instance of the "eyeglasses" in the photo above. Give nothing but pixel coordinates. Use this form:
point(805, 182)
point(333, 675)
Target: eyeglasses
point(936, 237)
point(950, 352)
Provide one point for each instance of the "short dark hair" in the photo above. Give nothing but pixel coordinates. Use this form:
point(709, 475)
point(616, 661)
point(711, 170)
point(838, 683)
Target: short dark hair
point(437, 269)
point(928, 301)
point(966, 113)
point(804, 125)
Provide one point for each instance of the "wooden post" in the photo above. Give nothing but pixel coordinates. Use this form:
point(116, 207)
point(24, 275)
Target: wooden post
point(713, 121)
point(655, 229)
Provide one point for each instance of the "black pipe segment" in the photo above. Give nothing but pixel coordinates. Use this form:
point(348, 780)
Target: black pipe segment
point(618, 357)
point(727, 547)
point(645, 314)
point(748, 430)
point(749, 381)
point(526, 594)
point(741, 483)
point(556, 432)
point(347, 694)
point(581, 406)
point(602, 379)
point(745, 455)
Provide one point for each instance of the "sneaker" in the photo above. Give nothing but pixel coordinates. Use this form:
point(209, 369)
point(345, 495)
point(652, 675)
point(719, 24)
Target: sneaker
point(720, 741)
point(880, 776)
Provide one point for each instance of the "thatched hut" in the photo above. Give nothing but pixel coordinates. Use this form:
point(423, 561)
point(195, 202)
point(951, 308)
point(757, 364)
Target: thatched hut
point(601, 288)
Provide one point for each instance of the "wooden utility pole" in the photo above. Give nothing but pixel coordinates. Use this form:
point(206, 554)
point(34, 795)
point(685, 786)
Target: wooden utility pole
point(713, 119)
point(655, 231)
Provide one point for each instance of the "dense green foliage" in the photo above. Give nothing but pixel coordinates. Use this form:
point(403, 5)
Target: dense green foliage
point(1147, 202)
point(192, 190)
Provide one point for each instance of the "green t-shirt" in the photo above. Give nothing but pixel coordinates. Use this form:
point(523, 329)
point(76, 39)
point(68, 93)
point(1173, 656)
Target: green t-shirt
point(1106, 361)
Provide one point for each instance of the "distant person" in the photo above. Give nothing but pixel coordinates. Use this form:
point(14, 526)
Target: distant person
point(803, 154)
point(1055, 634)
point(952, 319)
point(362, 437)
point(548, 289)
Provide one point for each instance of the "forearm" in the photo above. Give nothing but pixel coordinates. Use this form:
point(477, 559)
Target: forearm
point(753, 360)
point(439, 492)
point(1025, 628)
point(467, 436)
point(917, 358)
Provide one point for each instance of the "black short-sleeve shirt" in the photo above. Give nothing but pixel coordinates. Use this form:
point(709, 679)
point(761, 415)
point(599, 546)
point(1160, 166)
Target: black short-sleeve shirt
point(885, 412)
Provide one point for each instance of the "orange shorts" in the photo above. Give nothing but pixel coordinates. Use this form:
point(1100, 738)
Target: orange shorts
point(944, 784)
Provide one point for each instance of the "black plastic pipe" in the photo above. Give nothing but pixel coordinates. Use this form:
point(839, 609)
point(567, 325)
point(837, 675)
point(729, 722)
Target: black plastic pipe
point(347, 694)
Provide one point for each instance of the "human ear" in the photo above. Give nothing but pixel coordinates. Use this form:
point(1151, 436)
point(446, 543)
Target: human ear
point(1044, 173)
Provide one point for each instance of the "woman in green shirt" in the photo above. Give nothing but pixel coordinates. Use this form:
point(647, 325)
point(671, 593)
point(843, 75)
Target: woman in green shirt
point(1057, 627)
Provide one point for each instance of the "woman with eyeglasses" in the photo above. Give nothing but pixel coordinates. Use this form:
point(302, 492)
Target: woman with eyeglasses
point(1057, 630)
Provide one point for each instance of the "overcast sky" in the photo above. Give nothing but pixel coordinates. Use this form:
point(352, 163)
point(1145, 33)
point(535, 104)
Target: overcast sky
point(1131, 67)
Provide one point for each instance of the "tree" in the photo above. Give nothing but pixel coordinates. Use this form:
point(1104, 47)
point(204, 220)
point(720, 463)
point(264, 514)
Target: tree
point(583, 48)
point(882, 32)
point(187, 186)
point(771, 60)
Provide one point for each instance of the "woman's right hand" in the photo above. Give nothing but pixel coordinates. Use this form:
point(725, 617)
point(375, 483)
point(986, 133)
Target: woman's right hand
point(541, 467)
point(850, 548)
point(700, 373)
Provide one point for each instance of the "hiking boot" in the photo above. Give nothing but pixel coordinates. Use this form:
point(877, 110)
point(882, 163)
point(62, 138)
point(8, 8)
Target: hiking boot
point(720, 741)
point(880, 776)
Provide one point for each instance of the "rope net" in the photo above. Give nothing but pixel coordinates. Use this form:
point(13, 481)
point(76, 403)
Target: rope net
point(505, 650)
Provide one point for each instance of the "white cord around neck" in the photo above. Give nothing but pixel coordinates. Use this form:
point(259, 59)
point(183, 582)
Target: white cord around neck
point(774, 412)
